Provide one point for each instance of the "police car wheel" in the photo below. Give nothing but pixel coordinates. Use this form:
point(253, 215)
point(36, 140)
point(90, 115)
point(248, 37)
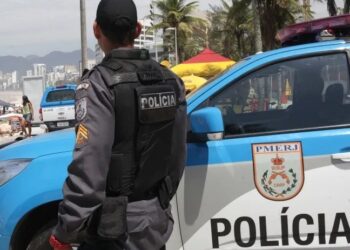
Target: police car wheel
point(40, 241)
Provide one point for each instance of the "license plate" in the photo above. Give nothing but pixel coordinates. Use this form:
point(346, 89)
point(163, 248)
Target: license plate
point(62, 124)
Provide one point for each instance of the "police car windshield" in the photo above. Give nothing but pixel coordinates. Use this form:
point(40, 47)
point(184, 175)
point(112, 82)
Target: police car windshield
point(217, 76)
point(60, 95)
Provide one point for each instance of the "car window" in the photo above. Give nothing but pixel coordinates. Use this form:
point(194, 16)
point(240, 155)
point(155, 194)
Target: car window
point(190, 94)
point(295, 94)
point(60, 95)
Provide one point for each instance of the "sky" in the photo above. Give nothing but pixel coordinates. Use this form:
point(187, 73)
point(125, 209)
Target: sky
point(37, 27)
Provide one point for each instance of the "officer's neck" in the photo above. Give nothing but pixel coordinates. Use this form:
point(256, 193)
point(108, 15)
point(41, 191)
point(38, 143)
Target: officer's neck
point(108, 49)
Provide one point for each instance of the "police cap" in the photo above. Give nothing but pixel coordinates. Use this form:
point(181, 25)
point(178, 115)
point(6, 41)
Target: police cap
point(110, 12)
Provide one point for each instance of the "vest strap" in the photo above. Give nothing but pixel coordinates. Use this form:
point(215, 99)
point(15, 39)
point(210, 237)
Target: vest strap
point(121, 78)
point(130, 54)
point(144, 77)
point(168, 75)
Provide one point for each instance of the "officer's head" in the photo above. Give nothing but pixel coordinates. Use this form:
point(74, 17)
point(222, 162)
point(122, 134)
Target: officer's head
point(116, 24)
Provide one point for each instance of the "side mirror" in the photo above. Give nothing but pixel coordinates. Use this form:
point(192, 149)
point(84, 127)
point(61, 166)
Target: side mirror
point(207, 124)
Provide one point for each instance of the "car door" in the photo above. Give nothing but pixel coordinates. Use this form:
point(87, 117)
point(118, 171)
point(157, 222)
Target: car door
point(280, 177)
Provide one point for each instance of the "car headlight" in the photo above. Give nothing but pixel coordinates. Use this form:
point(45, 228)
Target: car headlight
point(11, 168)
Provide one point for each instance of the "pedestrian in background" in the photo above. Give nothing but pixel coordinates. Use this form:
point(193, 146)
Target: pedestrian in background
point(28, 116)
point(130, 145)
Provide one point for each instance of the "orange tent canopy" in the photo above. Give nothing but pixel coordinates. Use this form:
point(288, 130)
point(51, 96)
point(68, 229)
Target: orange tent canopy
point(206, 64)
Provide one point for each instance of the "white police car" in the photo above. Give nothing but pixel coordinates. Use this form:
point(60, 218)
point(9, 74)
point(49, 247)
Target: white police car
point(268, 158)
point(57, 107)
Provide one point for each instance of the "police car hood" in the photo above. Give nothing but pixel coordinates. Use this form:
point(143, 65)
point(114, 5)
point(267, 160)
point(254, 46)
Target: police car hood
point(45, 144)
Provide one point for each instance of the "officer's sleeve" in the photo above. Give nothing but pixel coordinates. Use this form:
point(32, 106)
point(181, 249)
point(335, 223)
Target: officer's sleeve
point(178, 154)
point(84, 189)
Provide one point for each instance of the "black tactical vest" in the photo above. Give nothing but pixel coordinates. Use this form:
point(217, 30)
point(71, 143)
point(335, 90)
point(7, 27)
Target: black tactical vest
point(146, 100)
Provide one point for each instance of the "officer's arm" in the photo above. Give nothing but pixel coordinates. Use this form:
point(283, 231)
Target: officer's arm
point(178, 153)
point(84, 189)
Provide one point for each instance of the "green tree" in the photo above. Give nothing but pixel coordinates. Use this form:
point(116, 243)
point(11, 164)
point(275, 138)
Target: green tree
point(177, 14)
point(306, 8)
point(333, 9)
point(239, 21)
point(197, 41)
point(274, 15)
point(217, 19)
point(231, 31)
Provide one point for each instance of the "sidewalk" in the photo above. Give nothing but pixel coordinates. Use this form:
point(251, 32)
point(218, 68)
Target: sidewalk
point(7, 139)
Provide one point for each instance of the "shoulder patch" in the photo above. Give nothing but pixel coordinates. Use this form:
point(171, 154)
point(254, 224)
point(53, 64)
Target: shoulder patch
point(81, 109)
point(85, 84)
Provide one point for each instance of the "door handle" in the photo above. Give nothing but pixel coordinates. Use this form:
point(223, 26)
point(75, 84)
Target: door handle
point(345, 157)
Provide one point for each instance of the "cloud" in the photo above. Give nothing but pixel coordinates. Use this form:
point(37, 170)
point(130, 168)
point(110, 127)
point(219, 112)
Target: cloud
point(41, 26)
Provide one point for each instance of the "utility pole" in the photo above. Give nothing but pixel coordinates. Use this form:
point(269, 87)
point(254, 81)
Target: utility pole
point(257, 28)
point(84, 56)
point(176, 47)
point(155, 30)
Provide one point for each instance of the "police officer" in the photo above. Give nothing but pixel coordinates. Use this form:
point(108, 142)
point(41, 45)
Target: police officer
point(130, 144)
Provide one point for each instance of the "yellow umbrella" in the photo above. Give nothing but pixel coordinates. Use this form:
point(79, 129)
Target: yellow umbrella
point(206, 64)
point(193, 82)
point(206, 70)
point(166, 63)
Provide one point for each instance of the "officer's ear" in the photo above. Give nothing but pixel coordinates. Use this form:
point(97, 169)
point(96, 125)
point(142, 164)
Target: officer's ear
point(138, 30)
point(97, 30)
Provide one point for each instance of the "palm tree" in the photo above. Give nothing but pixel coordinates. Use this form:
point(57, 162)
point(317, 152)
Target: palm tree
point(307, 13)
point(177, 14)
point(274, 15)
point(197, 41)
point(217, 19)
point(231, 32)
point(257, 27)
point(240, 24)
point(234, 24)
point(346, 6)
point(333, 8)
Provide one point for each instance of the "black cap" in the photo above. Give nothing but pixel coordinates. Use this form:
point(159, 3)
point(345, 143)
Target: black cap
point(110, 12)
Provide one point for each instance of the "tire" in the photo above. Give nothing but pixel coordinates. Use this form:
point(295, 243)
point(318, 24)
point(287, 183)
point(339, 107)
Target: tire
point(40, 241)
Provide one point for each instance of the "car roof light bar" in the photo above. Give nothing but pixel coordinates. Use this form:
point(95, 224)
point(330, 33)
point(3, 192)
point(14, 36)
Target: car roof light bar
point(313, 31)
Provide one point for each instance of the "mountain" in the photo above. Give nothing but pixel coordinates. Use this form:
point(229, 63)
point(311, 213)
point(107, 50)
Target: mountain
point(32, 57)
point(62, 58)
point(11, 63)
point(22, 64)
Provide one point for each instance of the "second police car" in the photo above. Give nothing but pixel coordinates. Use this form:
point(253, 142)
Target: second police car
point(57, 107)
point(268, 158)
